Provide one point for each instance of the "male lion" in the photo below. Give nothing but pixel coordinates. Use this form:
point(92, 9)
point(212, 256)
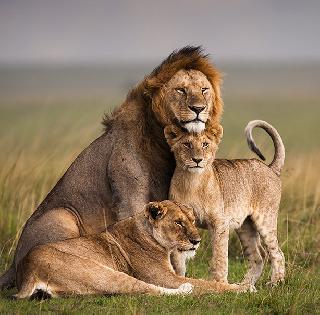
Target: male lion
point(230, 194)
point(132, 256)
point(130, 164)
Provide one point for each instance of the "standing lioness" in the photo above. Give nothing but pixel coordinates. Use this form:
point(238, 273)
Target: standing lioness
point(133, 256)
point(230, 194)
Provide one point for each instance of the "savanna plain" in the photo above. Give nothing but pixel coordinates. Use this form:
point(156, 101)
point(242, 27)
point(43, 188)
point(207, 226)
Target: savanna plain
point(47, 116)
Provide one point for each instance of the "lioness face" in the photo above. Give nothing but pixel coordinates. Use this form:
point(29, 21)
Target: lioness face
point(193, 151)
point(173, 225)
point(189, 96)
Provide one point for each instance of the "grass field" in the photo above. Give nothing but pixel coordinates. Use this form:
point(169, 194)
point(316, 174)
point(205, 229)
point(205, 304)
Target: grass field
point(39, 140)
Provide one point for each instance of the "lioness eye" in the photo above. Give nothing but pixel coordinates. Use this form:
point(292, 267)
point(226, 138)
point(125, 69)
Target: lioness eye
point(179, 223)
point(187, 145)
point(181, 91)
point(204, 90)
point(205, 144)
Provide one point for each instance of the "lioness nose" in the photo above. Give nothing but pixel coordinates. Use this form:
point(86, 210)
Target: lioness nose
point(197, 160)
point(195, 241)
point(197, 109)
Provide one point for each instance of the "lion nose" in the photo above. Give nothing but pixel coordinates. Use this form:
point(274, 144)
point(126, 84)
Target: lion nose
point(197, 160)
point(195, 241)
point(197, 109)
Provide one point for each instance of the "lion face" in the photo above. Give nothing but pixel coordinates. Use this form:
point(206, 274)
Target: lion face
point(189, 97)
point(192, 151)
point(173, 225)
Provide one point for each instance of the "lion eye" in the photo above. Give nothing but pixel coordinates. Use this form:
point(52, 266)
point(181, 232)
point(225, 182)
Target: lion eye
point(205, 144)
point(204, 90)
point(187, 145)
point(181, 91)
point(179, 223)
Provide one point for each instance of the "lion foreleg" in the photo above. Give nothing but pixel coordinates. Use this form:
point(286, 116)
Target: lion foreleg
point(171, 280)
point(122, 283)
point(129, 185)
point(219, 231)
point(178, 262)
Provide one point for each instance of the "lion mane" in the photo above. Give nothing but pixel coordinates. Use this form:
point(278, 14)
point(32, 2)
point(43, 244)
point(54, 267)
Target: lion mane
point(189, 57)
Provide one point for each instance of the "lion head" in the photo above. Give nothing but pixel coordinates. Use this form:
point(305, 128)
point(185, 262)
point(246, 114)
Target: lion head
point(189, 97)
point(173, 225)
point(183, 89)
point(193, 151)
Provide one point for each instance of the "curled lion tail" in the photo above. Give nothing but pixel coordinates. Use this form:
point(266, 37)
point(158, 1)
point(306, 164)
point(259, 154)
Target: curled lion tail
point(279, 154)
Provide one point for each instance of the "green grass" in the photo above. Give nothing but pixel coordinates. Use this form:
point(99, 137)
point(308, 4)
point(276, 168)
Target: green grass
point(39, 141)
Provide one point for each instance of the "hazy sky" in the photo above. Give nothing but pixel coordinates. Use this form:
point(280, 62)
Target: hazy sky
point(146, 30)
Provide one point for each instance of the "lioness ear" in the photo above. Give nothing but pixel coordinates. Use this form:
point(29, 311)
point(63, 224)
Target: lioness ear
point(219, 133)
point(172, 133)
point(215, 133)
point(186, 209)
point(155, 211)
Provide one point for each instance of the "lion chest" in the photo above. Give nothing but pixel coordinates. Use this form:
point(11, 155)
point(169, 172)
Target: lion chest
point(201, 195)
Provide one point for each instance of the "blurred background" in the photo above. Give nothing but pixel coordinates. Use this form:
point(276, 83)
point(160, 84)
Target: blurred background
point(64, 63)
point(88, 54)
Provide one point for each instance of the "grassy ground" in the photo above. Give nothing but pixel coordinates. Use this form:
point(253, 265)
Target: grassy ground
point(39, 141)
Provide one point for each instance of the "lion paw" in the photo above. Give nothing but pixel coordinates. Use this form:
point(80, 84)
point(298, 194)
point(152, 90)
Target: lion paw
point(185, 288)
point(245, 287)
point(273, 283)
point(248, 287)
point(275, 280)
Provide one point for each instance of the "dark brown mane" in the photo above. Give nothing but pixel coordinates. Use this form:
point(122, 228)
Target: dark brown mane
point(188, 57)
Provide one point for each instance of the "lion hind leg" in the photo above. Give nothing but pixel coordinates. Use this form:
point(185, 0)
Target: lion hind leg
point(52, 226)
point(27, 288)
point(251, 245)
point(8, 279)
point(267, 227)
point(34, 290)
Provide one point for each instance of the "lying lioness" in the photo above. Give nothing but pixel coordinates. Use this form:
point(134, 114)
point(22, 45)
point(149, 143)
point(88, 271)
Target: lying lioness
point(131, 257)
point(230, 194)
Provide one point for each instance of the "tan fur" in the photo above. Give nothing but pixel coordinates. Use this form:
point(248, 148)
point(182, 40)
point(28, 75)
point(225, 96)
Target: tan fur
point(133, 256)
point(230, 194)
point(130, 164)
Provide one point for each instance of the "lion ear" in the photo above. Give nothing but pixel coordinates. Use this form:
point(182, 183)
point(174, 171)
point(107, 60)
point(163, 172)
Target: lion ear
point(219, 133)
point(215, 133)
point(172, 133)
point(185, 209)
point(154, 211)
